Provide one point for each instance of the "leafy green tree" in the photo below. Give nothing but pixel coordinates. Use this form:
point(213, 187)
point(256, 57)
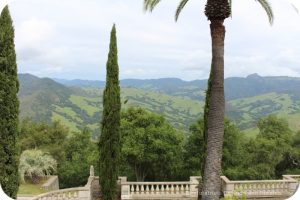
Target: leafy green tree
point(109, 144)
point(291, 162)
point(80, 154)
point(35, 164)
point(233, 153)
point(49, 138)
point(9, 107)
point(150, 145)
point(216, 11)
point(269, 148)
point(193, 158)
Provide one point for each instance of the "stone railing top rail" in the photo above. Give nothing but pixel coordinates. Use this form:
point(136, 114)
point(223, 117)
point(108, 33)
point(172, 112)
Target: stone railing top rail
point(297, 177)
point(287, 179)
point(265, 181)
point(156, 183)
point(61, 191)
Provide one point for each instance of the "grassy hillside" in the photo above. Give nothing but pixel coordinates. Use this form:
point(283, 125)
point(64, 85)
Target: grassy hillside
point(86, 110)
point(77, 107)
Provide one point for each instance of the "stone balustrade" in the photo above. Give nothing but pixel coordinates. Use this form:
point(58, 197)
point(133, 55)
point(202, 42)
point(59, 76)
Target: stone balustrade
point(260, 188)
point(159, 190)
point(188, 190)
point(80, 193)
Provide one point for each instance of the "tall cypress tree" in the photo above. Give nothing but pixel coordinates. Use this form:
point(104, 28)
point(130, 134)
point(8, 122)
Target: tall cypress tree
point(9, 107)
point(109, 144)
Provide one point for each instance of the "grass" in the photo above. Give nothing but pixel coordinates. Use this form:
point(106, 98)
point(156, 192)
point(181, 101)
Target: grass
point(64, 121)
point(68, 111)
point(82, 102)
point(179, 110)
point(29, 189)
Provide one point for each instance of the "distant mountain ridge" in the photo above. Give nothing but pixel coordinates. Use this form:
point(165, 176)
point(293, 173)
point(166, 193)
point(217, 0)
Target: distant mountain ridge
point(235, 87)
point(78, 103)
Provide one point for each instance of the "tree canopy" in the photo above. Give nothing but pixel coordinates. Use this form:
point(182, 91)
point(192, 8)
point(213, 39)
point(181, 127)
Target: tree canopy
point(150, 145)
point(80, 153)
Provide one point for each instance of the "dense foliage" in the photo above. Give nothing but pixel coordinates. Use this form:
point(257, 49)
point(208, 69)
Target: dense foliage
point(50, 138)
point(232, 149)
point(269, 148)
point(274, 152)
point(80, 154)
point(9, 107)
point(74, 152)
point(151, 147)
point(109, 143)
point(156, 148)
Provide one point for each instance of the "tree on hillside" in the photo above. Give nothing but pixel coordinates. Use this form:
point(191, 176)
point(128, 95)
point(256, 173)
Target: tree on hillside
point(150, 145)
point(109, 144)
point(9, 107)
point(35, 164)
point(216, 11)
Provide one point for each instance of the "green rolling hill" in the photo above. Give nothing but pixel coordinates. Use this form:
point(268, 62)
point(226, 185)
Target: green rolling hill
point(78, 103)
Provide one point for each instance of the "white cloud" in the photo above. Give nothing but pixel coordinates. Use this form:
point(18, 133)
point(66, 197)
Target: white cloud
point(34, 32)
point(69, 39)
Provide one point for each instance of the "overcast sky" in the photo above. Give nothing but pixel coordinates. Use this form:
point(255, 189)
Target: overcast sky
point(69, 39)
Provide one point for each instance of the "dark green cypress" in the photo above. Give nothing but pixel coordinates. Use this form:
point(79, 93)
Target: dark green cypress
point(9, 107)
point(109, 144)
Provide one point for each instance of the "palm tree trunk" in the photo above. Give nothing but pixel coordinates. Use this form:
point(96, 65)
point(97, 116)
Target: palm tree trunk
point(211, 181)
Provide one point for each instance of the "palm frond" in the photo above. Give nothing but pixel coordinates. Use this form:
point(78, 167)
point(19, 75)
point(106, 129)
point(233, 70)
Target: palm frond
point(267, 7)
point(230, 4)
point(149, 5)
point(179, 8)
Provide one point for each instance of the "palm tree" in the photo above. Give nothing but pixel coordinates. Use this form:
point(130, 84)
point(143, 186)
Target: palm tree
point(216, 11)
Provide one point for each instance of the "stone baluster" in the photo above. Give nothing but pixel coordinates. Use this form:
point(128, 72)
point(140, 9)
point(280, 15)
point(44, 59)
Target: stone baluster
point(152, 189)
point(163, 189)
point(131, 189)
point(177, 189)
point(138, 189)
point(172, 189)
point(147, 189)
point(168, 189)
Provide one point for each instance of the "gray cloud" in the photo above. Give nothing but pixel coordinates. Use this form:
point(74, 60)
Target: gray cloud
point(69, 39)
